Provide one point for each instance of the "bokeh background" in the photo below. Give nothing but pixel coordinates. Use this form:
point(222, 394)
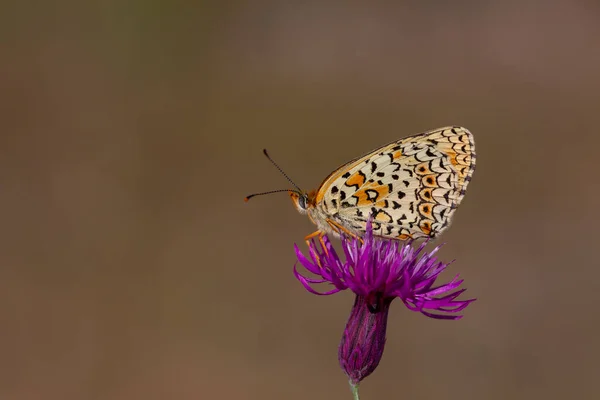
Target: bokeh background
point(131, 268)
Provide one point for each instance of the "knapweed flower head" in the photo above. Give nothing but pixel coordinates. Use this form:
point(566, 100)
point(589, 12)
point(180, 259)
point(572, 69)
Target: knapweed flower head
point(378, 271)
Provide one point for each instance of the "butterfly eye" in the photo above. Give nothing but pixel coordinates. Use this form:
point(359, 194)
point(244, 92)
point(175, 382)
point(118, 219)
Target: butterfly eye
point(302, 202)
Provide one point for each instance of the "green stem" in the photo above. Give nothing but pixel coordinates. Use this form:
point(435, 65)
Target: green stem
point(354, 390)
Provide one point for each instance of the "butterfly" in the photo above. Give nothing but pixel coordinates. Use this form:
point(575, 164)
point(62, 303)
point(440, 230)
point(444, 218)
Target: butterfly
point(410, 188)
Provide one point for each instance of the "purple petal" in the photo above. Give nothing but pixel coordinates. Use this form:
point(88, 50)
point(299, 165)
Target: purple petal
point(305, 263)
point(439, 316)
point(305, 282)
point(447, 287)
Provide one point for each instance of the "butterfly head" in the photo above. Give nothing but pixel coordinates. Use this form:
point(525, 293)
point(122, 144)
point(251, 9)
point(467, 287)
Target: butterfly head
point(302, 200)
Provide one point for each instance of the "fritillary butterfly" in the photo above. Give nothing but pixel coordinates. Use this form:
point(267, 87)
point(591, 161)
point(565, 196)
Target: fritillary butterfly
point(411, 187)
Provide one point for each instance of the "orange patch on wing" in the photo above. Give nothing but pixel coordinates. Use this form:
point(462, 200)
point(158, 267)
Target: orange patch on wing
point(426, 227)
point(397, 154)
point(404, 236)
point(383, 217)
point(426, 194)
point(356, 179)
point(426, 209)
point(362, 199)
point(429, 181)
point(383, 190)
point(366, 195)
point(422, 169)
point(452, 156)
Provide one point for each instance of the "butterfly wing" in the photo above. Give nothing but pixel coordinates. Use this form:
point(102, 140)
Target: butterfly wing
point(411, 186)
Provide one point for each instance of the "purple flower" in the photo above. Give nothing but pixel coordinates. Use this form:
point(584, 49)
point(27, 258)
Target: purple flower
point(378, 271)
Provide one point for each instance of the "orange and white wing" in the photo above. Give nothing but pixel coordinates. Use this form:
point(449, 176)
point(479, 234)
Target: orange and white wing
point(411, 186)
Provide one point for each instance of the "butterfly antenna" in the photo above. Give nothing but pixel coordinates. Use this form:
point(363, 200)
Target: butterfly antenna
point(280, 170)
point(269, 192)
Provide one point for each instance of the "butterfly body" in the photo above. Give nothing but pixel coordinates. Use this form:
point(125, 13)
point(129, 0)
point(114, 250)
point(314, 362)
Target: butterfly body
point(410, 187)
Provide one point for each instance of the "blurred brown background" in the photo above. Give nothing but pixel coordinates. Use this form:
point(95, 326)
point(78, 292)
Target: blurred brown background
point(131, 131)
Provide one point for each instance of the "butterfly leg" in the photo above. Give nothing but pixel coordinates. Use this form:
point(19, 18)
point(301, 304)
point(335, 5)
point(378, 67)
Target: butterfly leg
point(339, 228)
point(320, 234)
point(316, 233)
point(313, 235)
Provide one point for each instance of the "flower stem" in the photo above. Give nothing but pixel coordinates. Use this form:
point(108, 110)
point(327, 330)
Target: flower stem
point(354, 390)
